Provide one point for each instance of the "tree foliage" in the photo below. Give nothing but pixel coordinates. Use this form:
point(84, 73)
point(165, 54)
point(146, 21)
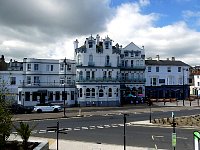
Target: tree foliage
point(24, 130)
point(5, 116)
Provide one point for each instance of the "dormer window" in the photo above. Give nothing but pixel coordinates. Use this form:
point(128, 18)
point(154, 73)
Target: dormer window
point(90, 43)
point(106, 45)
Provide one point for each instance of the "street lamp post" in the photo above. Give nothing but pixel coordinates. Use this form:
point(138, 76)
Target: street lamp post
point(64, 85)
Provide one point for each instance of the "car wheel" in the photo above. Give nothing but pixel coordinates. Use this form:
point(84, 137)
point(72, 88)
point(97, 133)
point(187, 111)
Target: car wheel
point(55, 110)
point(39, 110)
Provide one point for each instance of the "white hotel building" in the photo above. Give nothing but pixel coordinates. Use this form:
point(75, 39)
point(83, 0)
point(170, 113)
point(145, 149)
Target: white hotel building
point(106, 73)
point(47, 80)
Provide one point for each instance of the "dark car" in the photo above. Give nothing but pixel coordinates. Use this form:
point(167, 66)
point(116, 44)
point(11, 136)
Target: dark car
point(20, 109)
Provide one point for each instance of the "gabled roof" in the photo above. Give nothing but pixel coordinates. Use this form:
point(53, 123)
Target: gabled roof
point(165, 63)
point(131, 47)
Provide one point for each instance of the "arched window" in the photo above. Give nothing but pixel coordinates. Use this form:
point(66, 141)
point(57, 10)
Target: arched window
point(79, 60)
point(90, 58)
point(81, 92)
point(81, 75)
point(109, 92)
point(93, 92)
point(87, 93)
point(100, 93)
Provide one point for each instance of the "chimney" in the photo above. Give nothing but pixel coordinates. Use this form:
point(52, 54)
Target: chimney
point(173, 58)
point(76, 44)
point(98, 39)
point(158, 57)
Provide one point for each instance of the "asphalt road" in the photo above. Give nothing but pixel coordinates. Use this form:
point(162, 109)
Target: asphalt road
point(109, 129)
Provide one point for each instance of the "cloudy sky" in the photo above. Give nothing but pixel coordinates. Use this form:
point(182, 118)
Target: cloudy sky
point(47, 28)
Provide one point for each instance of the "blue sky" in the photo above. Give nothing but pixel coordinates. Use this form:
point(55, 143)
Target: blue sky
point(169, 11)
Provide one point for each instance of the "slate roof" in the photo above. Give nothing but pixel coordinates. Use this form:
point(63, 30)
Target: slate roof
point(165, 63)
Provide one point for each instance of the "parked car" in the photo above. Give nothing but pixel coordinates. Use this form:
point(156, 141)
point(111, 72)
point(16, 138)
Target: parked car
point(20, 109)
point(47, 108)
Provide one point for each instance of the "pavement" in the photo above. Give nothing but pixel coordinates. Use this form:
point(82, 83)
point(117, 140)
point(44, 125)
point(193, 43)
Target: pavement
point(87, 111)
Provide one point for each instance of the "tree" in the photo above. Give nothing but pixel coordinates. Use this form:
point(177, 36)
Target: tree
point(5, 122)
point(24, 130)
point(5, 115)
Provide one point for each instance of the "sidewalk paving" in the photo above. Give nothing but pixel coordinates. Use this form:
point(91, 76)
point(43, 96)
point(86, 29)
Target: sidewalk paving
point(78, 145)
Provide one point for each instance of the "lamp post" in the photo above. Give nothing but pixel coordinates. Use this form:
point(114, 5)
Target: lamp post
point(183, 87)
point(64, 85)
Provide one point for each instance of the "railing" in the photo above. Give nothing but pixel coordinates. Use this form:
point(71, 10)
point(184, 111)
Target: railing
point(134, 80)
point(46, 84)
point(97, 79)
point(131, 67)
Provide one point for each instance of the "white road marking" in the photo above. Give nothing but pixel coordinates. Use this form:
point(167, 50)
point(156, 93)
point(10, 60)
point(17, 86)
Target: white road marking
point(152, 137)
point(156, 146)
point(84, 128)
point(92, 127)
point(114, 125)
point(34, 131)
point(100, 127)
point(42, 131)
point(184, 138)
point(67, 129)
point(158, 136)
point(51, 131)
point(77, 128)
point(107, 126)
point(121, 125)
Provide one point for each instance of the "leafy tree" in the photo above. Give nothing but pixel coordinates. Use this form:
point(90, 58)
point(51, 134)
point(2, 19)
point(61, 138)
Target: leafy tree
point(24, 130)
point(5, 115)
point(5, 121)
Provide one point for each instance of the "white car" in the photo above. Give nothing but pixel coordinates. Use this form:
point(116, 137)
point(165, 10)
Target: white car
point(47, 108)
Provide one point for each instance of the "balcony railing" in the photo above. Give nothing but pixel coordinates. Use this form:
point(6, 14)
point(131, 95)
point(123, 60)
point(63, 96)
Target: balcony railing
point(131, 67)
point(128, 80)
point(46, 84)
point(134, 80)
point(97, 80)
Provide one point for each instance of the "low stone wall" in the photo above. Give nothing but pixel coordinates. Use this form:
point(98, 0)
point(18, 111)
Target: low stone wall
point(193, 120)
